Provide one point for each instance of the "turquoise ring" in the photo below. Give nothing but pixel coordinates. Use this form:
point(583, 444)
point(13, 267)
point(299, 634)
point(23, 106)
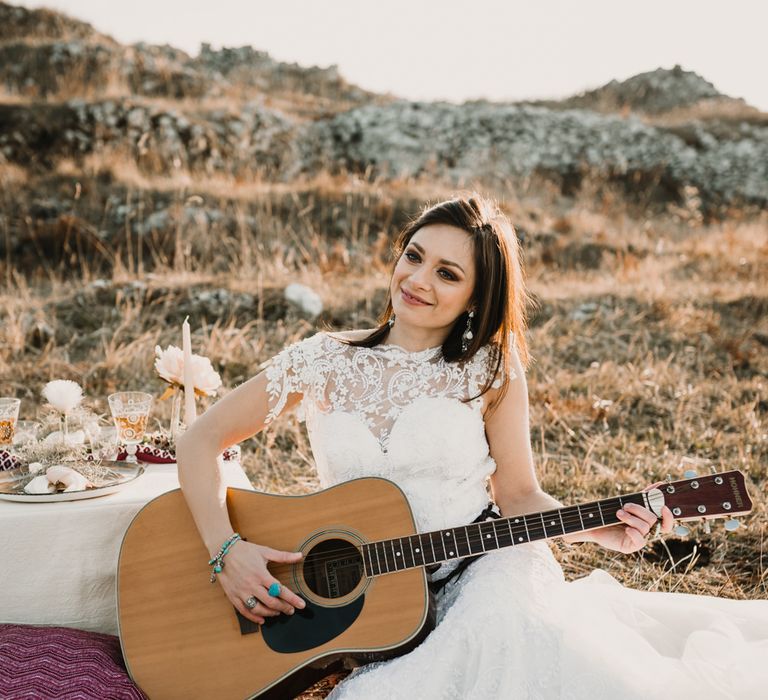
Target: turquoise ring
point(274, 590)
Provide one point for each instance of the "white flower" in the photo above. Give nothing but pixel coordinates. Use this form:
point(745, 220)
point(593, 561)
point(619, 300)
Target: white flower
point(206, 379)
point(63, 394)
point(169, 364)
point(305, 298)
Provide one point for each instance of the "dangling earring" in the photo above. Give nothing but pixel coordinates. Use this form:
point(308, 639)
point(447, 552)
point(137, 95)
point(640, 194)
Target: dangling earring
point(391, 321)
point(467, 335)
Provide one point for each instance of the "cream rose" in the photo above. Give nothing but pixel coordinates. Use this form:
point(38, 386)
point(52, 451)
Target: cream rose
point(169, 364)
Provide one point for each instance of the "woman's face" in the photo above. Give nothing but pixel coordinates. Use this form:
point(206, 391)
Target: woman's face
point(434, 278)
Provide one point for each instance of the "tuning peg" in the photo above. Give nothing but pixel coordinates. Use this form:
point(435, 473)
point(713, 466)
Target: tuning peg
point(681, 530)
point(713, 469)
point(689, 474)
point(732, 524)
point(707, 527)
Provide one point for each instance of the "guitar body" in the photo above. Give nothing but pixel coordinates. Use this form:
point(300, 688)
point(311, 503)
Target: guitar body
point(182, 638)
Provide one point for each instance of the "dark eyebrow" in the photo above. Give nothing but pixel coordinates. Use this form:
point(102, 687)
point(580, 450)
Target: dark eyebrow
point(442, 262)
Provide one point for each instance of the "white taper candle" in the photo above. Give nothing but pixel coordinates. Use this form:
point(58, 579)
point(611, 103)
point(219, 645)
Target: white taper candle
point(189, 382)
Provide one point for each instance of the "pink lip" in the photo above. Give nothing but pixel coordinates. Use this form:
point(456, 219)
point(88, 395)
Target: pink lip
point(411, 299)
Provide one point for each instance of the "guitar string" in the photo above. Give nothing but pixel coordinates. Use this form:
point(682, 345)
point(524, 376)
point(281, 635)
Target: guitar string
point(568, 519)
point(479, 537)
point(472, 544)
point(474, 538)
point(317, 563)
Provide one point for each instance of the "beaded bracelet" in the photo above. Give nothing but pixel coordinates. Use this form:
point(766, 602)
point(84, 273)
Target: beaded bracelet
point(218, 561)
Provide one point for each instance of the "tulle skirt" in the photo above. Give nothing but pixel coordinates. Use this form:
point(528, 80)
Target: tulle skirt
point(511, 627)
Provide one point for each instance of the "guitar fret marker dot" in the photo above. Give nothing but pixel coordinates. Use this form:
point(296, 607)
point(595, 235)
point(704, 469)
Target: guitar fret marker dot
point(519, 539)
point(397, 553)
point(417, 550)
point(487, 537)
point(451, 553)
point(551, 522)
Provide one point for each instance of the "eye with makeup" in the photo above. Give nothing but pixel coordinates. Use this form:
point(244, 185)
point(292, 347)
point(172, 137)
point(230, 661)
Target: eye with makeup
point(414, 257)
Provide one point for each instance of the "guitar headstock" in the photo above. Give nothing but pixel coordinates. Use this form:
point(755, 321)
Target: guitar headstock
point(709, 496)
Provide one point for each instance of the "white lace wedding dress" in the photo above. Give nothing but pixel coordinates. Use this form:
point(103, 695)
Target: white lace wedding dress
point(510, 626)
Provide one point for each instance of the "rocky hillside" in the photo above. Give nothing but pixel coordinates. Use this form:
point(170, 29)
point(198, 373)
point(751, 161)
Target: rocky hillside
point(47, 55)
point(726, 164)
point(81, 112)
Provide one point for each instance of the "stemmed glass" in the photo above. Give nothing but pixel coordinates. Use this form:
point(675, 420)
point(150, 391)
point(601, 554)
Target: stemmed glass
point(26, 431)
point(9, 414)
point(130, 410)
point(104, 443)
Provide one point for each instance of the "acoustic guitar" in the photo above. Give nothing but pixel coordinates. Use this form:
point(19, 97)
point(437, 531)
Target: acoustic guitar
point(362, 576)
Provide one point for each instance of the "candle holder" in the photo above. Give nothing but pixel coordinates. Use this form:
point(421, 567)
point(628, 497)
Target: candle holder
point(178, 395)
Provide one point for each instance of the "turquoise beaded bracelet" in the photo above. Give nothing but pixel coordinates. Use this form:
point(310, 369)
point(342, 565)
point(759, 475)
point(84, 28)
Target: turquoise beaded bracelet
point(218, 561)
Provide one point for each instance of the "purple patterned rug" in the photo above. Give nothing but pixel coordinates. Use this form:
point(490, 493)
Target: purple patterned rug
point(47, 663)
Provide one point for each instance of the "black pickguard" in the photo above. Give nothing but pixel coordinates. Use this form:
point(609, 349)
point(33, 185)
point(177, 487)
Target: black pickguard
point(310, 627)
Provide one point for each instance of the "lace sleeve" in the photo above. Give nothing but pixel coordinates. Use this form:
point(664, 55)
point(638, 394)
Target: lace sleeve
point(484, 364)
point(499, 379)
point(512, 360)
point(290, 372)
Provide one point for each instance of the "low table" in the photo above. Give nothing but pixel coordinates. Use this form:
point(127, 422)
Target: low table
point(58, 561)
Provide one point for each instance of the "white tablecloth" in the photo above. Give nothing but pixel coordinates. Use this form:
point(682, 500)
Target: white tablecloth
point(58, 561)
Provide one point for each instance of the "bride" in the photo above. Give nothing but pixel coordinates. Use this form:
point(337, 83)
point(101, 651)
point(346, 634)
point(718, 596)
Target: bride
point(435, 399)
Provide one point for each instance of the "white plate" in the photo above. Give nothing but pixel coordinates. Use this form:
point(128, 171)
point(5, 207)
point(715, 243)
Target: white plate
point(12, 489)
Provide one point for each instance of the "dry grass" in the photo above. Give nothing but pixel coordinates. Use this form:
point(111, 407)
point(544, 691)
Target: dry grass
point(730, 110)
point(649, 357)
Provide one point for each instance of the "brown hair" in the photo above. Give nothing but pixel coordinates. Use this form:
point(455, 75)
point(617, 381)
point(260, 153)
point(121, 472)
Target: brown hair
point(499, 296)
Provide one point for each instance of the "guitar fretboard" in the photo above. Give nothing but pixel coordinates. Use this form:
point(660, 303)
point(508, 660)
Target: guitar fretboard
point(387, 556)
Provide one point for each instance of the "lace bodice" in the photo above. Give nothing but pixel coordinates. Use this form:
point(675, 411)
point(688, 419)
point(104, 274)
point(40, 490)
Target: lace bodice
point(386, 411)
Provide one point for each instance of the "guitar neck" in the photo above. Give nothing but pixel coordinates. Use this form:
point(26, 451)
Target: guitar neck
point(387, 556)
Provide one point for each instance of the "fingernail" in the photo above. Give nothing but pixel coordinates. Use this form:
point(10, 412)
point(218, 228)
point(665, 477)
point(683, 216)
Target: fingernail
point(620, 512)
point(302, 604)
point(291, 611)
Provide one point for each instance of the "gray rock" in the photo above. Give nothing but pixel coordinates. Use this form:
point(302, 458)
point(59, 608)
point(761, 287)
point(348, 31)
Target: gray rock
point(218, 303)
point(465, 142)
point(585, 312)
point(306, 299)
point(653, 92)
point(156, 221)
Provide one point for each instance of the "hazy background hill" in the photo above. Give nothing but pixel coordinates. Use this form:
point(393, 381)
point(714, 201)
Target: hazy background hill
point(140, 184)
point(75, 100)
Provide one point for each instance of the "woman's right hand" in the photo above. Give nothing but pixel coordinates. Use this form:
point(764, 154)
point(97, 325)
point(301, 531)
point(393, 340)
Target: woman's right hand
point(245, 574)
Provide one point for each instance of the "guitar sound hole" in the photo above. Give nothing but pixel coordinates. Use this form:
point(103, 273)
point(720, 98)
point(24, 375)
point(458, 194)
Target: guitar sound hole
point(333, 568)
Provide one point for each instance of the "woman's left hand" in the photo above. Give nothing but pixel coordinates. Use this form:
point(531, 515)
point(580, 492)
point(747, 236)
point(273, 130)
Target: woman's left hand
point(632, 535)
